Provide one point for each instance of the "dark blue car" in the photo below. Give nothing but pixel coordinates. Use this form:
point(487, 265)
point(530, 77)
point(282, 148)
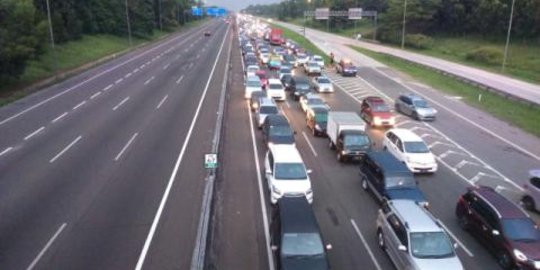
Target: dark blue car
point(389, 179)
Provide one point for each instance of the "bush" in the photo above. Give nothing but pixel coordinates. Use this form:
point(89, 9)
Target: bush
point(418, 41)
point(485, 55)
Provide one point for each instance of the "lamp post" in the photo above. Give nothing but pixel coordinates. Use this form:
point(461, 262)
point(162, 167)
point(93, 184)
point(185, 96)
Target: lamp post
point(508, 35)
point(128, 23)
point(52, 38)
point(404, 22)
point(160, 23)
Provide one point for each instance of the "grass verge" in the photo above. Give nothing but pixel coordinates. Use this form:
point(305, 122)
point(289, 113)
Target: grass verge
point(302, 41)
point(523, 116)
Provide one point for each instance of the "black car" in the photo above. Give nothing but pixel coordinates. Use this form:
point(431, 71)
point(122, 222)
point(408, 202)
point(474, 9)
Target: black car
point(276, 130)
point(286, 81)
point(389, 178)
point(296, 238)
point(300, 86)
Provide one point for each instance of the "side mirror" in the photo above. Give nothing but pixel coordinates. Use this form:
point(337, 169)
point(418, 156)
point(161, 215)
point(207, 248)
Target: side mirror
point(274, 247)
point(268, 172)
point(328, 246)
point(402, 248)
point(495, 232)
point(456, 245)
point(309, 171)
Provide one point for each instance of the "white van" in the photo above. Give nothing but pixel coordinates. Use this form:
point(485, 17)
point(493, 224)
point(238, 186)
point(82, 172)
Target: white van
point(410, 149)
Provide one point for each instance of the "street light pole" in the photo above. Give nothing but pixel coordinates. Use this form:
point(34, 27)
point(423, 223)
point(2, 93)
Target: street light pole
point(52, 38)
point(128, 24)
point(404, 22)
point(508, 35)
point(160, 23)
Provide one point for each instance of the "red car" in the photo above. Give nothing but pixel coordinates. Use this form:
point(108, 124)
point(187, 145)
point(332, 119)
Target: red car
point(377, 113)
point(264, 79)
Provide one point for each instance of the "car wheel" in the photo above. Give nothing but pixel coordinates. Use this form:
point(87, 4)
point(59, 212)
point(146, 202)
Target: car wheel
point(528, 203)
point(380, 239)
point(463, 222)
point(504, 260)
point(364, 184)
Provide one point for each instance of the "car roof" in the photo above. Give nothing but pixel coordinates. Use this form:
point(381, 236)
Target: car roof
point(285, 153)
point(504, 207)
point(312, 96)
point(253, 66)
point(414, 217)
point(277, 120)
point(406, 135)
point(297, 216)
point(387, 162)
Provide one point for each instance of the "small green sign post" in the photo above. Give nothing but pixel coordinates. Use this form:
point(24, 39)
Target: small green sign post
point(210, 161)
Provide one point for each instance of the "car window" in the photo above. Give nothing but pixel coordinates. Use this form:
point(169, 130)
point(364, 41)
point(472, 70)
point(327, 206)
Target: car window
point(535, 181)
point(391, 137)
point(420, 103)
point(290, 171)
point(302, 244)
point(280, 131)
point(323, 80)
point(485, 212)
point(380, 107)
point(416, 147)
point(399, 145)
point(268, 110)
point(356, 140)
point(315, 101)
point(521, 230)
point(398, 229)
point(400, 181)
point(321, 117)
point(254, 84)
point(275, 86)
point(434, 245)
point(271, 159)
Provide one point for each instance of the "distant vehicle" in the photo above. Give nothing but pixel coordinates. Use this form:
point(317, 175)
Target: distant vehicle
point(289, 58)
point(286, 173)
point(415, 106)
point(319, 60)
point(276, 37)
point(502, 226)
point(312, 68)
point(284, 71)
point(253, 84)
point(346, 68)
point(410, 149)
point(376, 112)
point(265, 57)
point(266, 107)
point(316, 120)
point(251, 61)
point(301, 59)
point(389, 179)
point(207, 33)
point(311, 100)
point(275, 89)
point(276, 130)
point(275, 62)
point(531, 199)
point(323, 84)
point(262, 76)
point(256, 99)
point(414, 239)
point(251, 70)
point(286, 81)
point(300, 86)
point(346, 132)
point(296, 239)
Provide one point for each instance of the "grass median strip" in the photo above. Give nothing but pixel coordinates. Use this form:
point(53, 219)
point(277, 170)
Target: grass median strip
point(523, 116)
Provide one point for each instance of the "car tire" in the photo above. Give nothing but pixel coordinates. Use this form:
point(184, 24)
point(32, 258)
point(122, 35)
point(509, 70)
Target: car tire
point(528, 203)
point(380, 239)
point(364, 184)
point(505, 260)
point(463, 223)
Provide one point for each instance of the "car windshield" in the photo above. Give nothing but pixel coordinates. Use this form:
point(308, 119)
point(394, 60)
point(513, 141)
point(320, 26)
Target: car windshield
point(275, 86)
point(400, 181)
point(431, 245)
point(280, 131)
point(290, 171)
point(302, 86)
point(302, 244)
point(321, 117)
point(521, 229)
point(269, 110)
point(315, 101)
point(254, 84)
point(420, 103)
point(380, 107)
point(323, 80)
point(285, 70)
point(311, 64)
point(356, 140)
point(416, 147)
point(317, 58)
point(252, 69)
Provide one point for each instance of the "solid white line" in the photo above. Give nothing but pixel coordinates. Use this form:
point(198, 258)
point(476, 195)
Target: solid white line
point(180, 79)
point(149, 80)
point(120, 104)
point(166, 66)
point(34, 133)
point(457, 240)
point(190, 65)
point(59, 117)
point(161, 102)
point(198, 56)
point(136, 70)
point(79, 105)
point(108, 87)
point(65, 149)
point(142, 66)
point(365, 245)
point(126, 146)
point(95, 95)
point(261, 192)
point(309, 143)
point(159, 211)
point(6, 151)
point(119, 81)
point(127, 75)
point(47, 246)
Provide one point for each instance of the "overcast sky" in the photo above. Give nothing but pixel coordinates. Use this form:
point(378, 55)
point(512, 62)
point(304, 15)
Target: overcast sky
point(238, 4)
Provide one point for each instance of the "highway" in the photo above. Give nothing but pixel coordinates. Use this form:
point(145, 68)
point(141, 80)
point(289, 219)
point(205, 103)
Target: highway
point(105, 170)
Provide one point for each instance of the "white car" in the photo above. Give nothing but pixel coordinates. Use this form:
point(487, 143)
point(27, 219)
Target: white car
point(252, 70)
point(265, 57)
point(301, 60)
point(319, 60)
point(266, 107)
point(275, 89)
point(253, 83)
point(312, 100)
point(284, 71)
point(409, 148)
point(312, 68)
point(323, 84)
point(286, 173)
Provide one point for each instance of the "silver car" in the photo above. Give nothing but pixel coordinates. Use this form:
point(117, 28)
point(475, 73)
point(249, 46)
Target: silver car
point(414, 239)
point(416, 107)
point(266, 107)
point(531, 198)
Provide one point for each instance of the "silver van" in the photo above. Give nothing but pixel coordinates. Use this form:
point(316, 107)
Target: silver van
point(266, 107)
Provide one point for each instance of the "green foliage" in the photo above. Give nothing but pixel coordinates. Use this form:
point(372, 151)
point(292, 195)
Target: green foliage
point(418, 41)
point(485, 55)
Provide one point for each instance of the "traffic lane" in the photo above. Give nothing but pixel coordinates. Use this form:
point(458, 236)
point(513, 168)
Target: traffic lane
point(237, 232)
point(84, 85)
point(43, 182)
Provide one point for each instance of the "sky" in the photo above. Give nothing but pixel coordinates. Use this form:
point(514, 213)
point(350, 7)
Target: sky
point(238, 4)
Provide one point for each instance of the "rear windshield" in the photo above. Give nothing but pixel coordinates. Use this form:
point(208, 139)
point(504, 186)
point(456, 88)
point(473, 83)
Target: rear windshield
point(380, 107)
point(280, 131)
point(321, 117)
point(400, 181)
point(421, 104)
point(290, 171)
point(416, 147)
point(521, 230)
point(433, 245)
point(269, 110)
point(302, 244)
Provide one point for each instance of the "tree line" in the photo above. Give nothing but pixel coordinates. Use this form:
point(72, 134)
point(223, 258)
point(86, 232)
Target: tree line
point(24, 27)
point(429, 17)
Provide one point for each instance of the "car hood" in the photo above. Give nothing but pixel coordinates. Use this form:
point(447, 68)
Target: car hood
point(451, 263)
point(406, 193)
point(421, 158)
point(302, 264)
point(281, 139)
point(426, 111)
point(531, 250)
point(383, 115)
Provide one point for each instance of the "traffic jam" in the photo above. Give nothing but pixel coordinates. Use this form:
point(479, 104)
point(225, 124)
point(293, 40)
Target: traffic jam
point(391, 147)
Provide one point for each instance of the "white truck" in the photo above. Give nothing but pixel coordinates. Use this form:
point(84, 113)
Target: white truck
point(347, 134)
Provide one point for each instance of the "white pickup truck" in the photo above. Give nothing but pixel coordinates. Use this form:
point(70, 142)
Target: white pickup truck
point(346, 131)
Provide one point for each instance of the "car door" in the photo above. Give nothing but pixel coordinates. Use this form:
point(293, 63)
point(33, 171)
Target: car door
point(477, 219)
point(269, 169)
point(399, 151)
point(395, 236)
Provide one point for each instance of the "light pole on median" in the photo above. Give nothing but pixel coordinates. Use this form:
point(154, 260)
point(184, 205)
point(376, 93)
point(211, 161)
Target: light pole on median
point(160, 23)
point(404, 22)
point(52, 39)
point(128, 23)
point(508, 35)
